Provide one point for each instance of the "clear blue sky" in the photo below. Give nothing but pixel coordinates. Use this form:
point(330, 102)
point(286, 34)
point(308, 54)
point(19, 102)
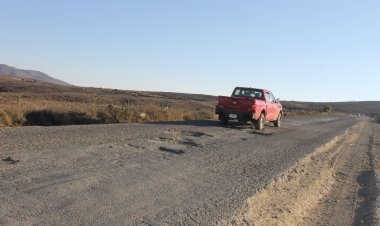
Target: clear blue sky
point(321, 50)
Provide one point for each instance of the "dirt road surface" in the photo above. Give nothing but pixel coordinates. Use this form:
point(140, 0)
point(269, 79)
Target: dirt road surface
point(185, 173)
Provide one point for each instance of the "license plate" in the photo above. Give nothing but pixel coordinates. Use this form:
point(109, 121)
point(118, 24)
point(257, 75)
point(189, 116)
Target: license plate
point(233, 116)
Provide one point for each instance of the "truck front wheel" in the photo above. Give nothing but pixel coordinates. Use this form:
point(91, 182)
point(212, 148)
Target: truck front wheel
point(260, 122)
point(277, 123)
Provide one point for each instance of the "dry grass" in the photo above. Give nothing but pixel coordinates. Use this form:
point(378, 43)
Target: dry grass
point(67, 114)
point(37, 103)
point(5, 119)
point(150, 113)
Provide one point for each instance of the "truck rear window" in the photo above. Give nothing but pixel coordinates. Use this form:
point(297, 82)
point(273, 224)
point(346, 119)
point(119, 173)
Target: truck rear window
point(247, 92)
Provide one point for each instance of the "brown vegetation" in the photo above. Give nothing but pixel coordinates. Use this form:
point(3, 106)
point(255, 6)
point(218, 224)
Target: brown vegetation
point(5, 120)
point(369, 108)
point(27, 102)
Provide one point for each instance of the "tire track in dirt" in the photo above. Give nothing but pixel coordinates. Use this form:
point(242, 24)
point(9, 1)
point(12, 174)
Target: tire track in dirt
point(368, 181)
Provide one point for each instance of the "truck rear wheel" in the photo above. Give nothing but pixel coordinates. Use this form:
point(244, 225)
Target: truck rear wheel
point(277, 123)
point(223, 120)
point(260, 122)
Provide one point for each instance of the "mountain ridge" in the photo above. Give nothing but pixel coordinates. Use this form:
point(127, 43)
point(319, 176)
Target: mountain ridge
point(31, 74)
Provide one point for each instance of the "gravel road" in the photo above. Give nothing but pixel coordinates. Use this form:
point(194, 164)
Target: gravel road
point(180, 173)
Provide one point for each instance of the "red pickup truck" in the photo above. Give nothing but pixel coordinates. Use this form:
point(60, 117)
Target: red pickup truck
point(250, 104)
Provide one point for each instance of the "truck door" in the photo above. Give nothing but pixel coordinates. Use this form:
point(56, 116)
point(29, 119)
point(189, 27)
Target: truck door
point(276, 107)
point(271, 106)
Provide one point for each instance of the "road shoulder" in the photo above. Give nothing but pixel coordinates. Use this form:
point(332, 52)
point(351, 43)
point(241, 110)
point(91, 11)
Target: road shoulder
point(338, 184)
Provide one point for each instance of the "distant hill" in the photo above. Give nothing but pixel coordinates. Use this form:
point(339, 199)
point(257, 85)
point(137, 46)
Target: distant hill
point(37, 75)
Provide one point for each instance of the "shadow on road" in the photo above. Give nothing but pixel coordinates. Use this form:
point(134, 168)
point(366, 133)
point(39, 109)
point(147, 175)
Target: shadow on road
point(215, 123)
point(200, 123)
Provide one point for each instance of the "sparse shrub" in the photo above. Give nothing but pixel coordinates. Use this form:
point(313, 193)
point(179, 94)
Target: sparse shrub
point(203, 114)
point(378, 118)
point(154, 113)
point(113, 113)
point(5, 119)
point(328, 109)
point(103, 117)
point(132, 114)
point(188, 116)
point(17, 116)
point(122, 114)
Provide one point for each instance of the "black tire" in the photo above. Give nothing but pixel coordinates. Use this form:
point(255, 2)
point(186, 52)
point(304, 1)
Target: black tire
point(223, 120)
point(243, 121)
point(260, 122)
point(277, 123)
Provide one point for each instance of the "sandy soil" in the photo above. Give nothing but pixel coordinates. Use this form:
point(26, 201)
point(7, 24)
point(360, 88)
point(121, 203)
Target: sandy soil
point(338, 184)
point(182, 173)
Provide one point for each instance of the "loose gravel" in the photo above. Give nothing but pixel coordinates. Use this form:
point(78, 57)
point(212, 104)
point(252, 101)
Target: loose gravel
point(179, 173)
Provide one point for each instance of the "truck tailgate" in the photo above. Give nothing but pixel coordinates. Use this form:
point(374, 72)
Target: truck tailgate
point(235, 104)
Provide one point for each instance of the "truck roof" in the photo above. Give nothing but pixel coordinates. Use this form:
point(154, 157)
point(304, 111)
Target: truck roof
point(239, 87)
